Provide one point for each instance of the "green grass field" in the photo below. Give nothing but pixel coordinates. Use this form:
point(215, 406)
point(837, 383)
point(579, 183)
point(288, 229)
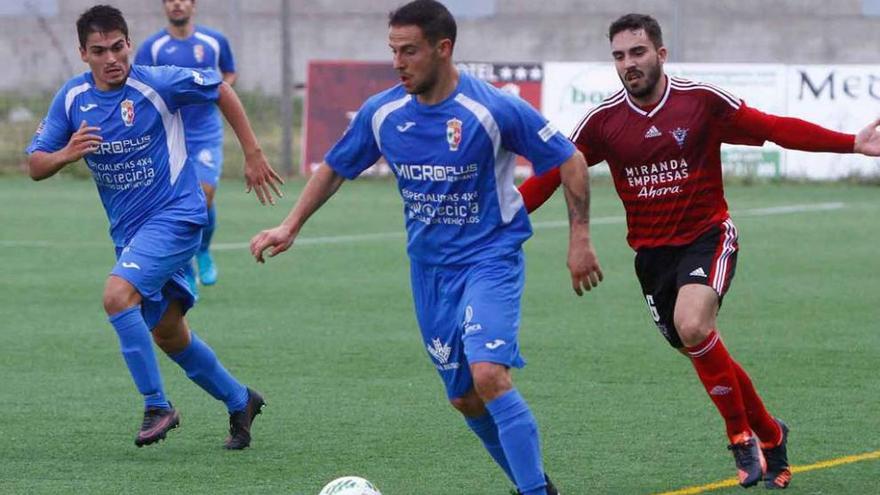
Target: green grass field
point(326, 332)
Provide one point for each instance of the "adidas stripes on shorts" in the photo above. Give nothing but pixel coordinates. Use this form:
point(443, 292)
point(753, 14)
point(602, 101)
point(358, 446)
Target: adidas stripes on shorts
point(710, 260)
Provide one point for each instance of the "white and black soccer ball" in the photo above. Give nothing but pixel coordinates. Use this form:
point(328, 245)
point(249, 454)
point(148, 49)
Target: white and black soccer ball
point(349, 485)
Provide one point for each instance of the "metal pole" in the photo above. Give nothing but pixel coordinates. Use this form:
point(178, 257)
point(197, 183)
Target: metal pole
point(676, 55)
point(286, 91)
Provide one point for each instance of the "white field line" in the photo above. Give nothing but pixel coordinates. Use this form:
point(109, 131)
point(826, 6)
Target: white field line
point(400, 234)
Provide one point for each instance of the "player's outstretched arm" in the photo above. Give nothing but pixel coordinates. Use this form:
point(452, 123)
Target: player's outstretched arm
point(258, 175)
point(323, 184)
point(797, 134)
point(868, 140)
point(42, 165)
point(582, 260)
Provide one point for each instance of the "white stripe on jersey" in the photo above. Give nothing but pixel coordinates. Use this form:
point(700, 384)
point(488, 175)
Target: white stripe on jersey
point(382, 113)
point(722, 263)
point(73, 93)
point(727, 97)
point(609, 102)
point(174, 138)
point(659, 105)
point(509, 199)
point(680, 81)
point(157, 45)
point(215, 44)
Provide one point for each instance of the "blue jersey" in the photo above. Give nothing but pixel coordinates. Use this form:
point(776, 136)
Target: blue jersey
point(454, 163)
point(141, 167)
point(205, 49)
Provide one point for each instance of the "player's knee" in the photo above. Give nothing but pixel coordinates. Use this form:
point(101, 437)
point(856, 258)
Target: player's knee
point(171, 334)
point(491, 380)
point(119, 295)
point(171, 343)
point(471, 405)
point(692, 329)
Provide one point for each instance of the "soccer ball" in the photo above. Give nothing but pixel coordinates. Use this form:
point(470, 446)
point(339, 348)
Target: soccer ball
point(349, 485)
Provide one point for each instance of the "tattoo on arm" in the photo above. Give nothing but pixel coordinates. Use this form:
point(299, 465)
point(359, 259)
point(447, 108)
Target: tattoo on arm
point(578, 205)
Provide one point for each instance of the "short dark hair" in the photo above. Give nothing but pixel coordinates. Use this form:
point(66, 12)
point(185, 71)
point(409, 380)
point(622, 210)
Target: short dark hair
point(432, 17)
point(634, 22)
point(100, 19)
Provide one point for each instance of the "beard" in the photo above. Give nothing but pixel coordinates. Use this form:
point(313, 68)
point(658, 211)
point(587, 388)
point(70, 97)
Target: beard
point(179, 22)
point(650, 77)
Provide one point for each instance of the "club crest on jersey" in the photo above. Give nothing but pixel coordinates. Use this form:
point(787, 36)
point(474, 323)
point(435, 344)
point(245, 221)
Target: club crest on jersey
point(679, 134)
point(199, 52)
point(453, 133)
point(127, 110)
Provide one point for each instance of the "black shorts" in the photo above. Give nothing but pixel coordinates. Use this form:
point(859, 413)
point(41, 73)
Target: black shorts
point(709, 260)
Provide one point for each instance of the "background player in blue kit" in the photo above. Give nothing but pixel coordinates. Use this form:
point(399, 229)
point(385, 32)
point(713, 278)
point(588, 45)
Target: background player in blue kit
point(125, 122)
point(451, 141)
point(184, 44)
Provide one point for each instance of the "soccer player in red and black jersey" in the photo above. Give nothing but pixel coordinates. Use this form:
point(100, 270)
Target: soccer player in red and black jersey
point(661, 137)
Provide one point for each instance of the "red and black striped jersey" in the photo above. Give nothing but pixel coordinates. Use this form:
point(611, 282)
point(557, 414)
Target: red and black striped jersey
point(665, 161)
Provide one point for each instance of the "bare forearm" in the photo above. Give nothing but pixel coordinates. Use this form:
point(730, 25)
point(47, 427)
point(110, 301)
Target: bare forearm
point(234, 113)
point(42, 165)
point(320, 187)
point(230, 78)
point(576, 185)
point(582, 260)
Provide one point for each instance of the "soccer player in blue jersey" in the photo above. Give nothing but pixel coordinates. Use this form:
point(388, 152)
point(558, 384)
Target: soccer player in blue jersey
point(125, 122)
point(185, 44)
point(451, 141)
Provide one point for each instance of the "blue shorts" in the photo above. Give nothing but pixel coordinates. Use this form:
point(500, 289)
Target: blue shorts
point(469, 314)
point(208, 160)
point(153, 263)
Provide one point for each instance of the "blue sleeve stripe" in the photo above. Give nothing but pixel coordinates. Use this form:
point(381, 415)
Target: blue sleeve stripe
point(173, 124)
point(73, 93)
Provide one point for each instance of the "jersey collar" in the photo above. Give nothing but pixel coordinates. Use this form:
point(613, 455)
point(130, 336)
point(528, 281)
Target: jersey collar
point(659, 105)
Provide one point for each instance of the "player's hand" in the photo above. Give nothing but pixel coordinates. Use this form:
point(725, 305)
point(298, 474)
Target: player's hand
point(261, 177)
point(84, 141)
point(277, 240)
point(584, 266)
point(868, 140)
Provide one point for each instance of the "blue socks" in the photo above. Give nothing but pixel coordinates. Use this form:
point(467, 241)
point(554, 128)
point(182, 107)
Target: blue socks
point(198, 360)
point(485, 428)
point(136, 345)
point(518, 435)
point(208, 230)
point(203, 367)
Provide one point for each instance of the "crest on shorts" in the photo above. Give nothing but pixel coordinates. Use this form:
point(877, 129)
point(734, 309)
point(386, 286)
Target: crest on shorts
point(453, 134)
point(439, 350)
point(679, 134)
point(126, 108)
point(199, 52)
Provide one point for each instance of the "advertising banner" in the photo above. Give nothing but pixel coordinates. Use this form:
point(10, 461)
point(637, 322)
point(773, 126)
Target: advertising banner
point(844, 98)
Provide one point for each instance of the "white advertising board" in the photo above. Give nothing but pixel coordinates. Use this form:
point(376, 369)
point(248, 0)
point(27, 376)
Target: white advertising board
point(844, 98)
